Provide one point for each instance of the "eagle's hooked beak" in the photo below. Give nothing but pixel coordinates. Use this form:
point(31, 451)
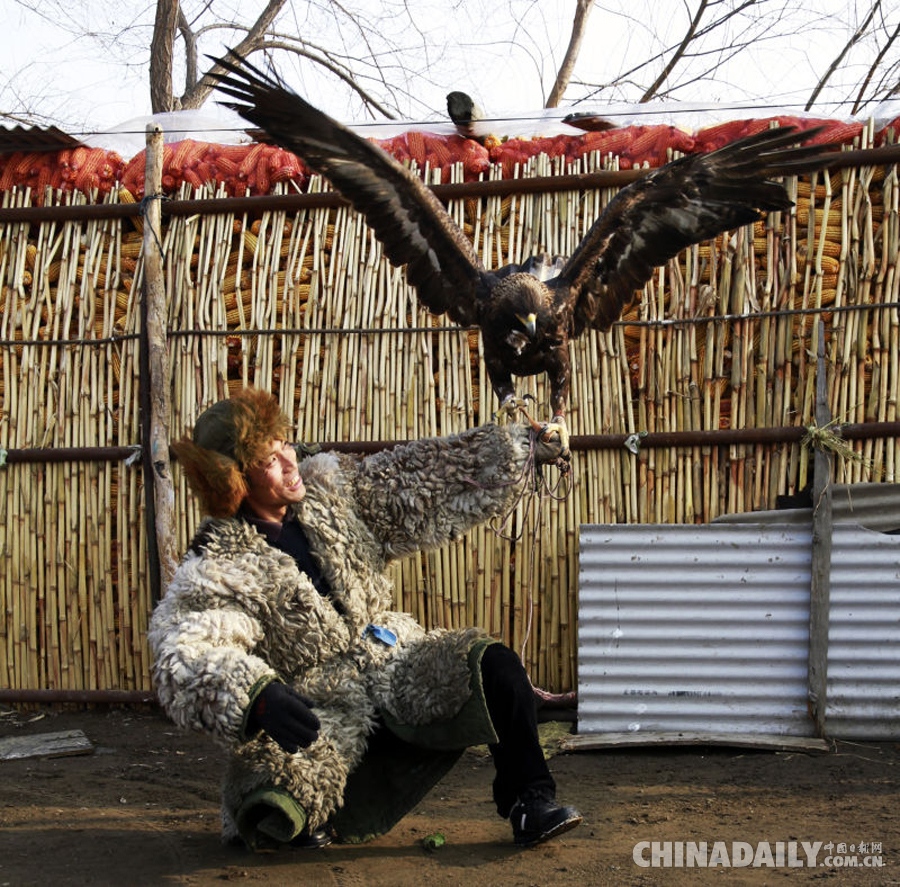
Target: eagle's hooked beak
point(529, 322)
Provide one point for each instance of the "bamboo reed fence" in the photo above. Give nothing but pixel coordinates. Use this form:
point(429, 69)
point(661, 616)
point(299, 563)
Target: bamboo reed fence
point(303, 304)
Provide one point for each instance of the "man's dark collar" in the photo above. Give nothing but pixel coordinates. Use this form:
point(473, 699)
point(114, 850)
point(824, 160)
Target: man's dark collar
point(271, 529)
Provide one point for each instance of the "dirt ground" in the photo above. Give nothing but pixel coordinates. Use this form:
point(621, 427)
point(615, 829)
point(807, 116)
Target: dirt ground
point(143, 809)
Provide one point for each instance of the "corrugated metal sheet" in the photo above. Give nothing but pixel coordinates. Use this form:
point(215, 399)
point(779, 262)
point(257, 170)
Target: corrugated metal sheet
point(705, 629)
point(864, 636)
point(693, 628)
point(35, 138)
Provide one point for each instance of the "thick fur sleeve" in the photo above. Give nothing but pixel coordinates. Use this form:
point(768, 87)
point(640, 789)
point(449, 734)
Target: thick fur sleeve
point(428, 492)
point(203, 670)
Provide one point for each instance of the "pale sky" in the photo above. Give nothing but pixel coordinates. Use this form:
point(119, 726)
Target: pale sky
point(79, 84)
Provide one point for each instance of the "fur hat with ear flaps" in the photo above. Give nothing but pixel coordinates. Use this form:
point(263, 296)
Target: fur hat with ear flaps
point(228, 438)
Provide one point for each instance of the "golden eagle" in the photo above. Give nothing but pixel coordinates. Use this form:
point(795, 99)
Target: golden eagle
point(528, 313)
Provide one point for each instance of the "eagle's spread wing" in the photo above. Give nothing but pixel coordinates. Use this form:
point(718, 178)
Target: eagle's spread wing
point(689, 200)
point(411, 223)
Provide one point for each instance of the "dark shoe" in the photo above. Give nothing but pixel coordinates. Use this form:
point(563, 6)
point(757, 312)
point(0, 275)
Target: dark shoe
point(321, 837)
point(536, 817)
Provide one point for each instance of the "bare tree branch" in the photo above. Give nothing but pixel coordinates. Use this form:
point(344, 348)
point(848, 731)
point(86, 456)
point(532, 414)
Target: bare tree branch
point(707, 74)
point(161, 53)
point(895, 89)
point(195, 95)
point(860, 101)
point(729, 14)
point(836, 63)
point(582, 10)
point(190, 49)
point(679, 52)
point(346, 76)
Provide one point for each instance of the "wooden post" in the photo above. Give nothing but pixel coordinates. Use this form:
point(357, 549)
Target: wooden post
point(159, 495)
point(820, 590)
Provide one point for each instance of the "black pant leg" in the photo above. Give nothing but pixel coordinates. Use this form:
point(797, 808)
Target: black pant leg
point(518, 756)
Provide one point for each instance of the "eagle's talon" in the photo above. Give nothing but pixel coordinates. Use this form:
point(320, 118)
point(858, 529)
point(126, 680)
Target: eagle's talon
point(552, 441)
point(558, 426)
point(510, 405)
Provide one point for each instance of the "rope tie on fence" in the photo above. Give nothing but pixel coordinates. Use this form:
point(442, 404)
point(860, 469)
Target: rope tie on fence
point(828, 439)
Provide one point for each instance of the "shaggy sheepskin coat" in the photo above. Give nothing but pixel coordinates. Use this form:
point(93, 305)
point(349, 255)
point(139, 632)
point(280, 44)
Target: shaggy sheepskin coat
point(239, 614)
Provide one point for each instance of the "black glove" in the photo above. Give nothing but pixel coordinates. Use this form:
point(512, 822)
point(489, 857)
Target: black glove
point(285, 715)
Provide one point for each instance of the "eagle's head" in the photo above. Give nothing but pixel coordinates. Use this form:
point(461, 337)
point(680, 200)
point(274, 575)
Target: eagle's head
point(522, 312)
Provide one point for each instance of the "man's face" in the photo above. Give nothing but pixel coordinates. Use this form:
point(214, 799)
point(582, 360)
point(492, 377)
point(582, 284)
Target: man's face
point(274, 482)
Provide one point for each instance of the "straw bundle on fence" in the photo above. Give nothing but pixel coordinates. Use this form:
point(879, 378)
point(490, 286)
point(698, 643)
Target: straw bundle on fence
point(305, 305)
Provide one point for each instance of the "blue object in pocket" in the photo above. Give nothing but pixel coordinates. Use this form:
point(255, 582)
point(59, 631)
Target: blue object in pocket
point(380, 633)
